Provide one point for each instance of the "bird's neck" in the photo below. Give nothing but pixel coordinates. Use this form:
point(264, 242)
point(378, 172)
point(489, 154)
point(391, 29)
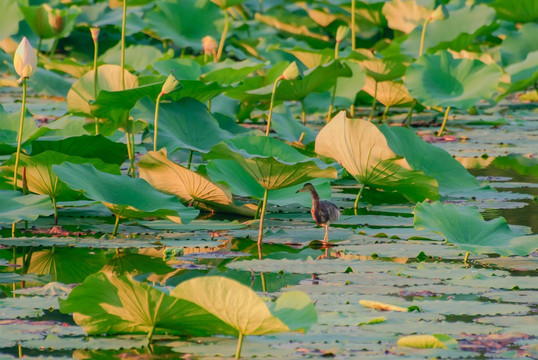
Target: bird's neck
point(315, 198)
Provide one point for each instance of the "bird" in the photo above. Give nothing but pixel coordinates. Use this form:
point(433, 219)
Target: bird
point(323, 212)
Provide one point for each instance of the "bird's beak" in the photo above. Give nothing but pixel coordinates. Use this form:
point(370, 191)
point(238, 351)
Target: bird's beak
point(300, 190)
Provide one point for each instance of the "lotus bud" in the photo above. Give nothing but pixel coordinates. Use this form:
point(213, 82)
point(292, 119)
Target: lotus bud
point(171, 84)
point(440, 13)
point(95, 33)
point(210, 46)
point(291, 72)
point(341, 33)
point(56, 21)
point(25, 60)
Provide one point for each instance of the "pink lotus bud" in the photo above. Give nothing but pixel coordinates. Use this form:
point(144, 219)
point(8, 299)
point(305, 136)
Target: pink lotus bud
point(25, 60)
point(210, 46)
point(95, 33)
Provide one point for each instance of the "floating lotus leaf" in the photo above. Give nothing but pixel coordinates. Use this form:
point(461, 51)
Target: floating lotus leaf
point(405, 15)
point(125, 196)
point(441, 80)
point(185, 124)
point(362, 150)
point(466, 228)
point(185, 22)
point(271, 163)
point(171, 178)
point(15, 207)
point(239, 307)
point(428, 341)
point(431, 160)
point(105, 304)
point(456, 32)
point(520, 11)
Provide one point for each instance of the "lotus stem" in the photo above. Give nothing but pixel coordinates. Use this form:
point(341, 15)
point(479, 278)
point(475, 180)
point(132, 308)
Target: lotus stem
point(156, 122)
point(332, 101)
point(373, 103)
point(13, 228)
point(150, 334)
point(262, 217)
point(95, 79)
point(269, 117)
point(123, 25)
point(352, 25)
point(302, 137)
point(55, 207)
point(444, 121)
point(423, 36)
point(209, 105)
point(352, 110)
point(261, 6)
point(224, 33)
point(385, 113)
point(358, 197)
point(53, 48)
point(19, 137)
point(39, 44)
point(128, 151)
point(190, 159)
point(239, 346)
point(264, 284)
point(303, 112)
point(466, 257)
point(116, 225)
point(407, 120)
point(257, 215)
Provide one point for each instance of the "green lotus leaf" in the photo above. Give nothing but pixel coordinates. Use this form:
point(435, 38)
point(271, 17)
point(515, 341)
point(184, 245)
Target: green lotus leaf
point(523, 74)
point(518, 163)
point(9, 130)
point(467, 229)
point(405, 16)
point(66, 264)
point(362, 150)
point(241, 308)
point(137, 57)
point(81, 97)
point(389, 93)
point(456, 32)
point(441, 80)
point(383, 69)
point(105, 304)
point(271, 163)
point(68, 66)
point(10, 17)
point(433, 161)
point(347, 88)
point(242, 183)
point(312, 58)
point(519, 44)
point(229, 72)
point(520, 11)
point(85, 146)
point(313, 79)
point(40, 178)
point(15, 207)
point(171, 178)
point(185, 22)
point(223, 4)
point(50, 83)
point(300, 27)
point(47, 22)
point(185, 124)
point(118, 3)
point(288, 128)
point(126, 197)
point(183, 68)
point(428, 341)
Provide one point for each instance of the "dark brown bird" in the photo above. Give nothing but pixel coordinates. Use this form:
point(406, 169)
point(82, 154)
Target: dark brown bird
point(323, 212)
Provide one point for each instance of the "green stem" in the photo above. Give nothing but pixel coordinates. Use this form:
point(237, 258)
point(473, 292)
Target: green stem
point(373, 104)
point(261, 6)
point(19, 137)
point(123, 25)
point(407, 120)
point(13, 228)
point(358, 197)
point(54, 46)
point(209, 105)
point(239, 346)
point(131, 134)
point(384, 116)
point(55, 207)
point(352, 25)
point(150, 334)
point(95, 79)
point(423, 36)
point(224, 33)
point(156, 121)
point(466, 257)
point(264, 284)
point(39, 44)
point(332, 101)
point(352, 111)
point(336, 49)
point(262, 217)
point(128, 151)
point(303, 112)
point(190, 159)
point(271, 106)
point(444, 121)
point(257, 215)
point(116, 225)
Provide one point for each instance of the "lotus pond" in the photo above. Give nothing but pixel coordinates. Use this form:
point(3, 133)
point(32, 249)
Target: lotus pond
point(151, 153)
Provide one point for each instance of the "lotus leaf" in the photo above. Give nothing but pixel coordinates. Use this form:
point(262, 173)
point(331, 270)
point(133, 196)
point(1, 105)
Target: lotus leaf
point(431, 160)
point(137, 57)
point(81, 96)
point(124, 196)
point(519, 44)
point(294, 25)
point(178, 128)
point(9, 127)
point(348, 87)
point(105, 304)
point(239, 307)
point(523, 74)
point(522, 11)
point(229, 72)
point(16, 207)
point(441, 80)
point(312, 58)
point(171, 178)
point(405, 15)
point(223, 4)
point(10, 17)
point(271, 163)
point(466, 228)
point(185, 22)
point(383, 69)
point(389, 93)
point(362, 150)
point(50, 83)
point(428, 341)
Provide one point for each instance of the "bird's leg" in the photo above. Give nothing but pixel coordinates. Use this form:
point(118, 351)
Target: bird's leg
point(326, 238)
